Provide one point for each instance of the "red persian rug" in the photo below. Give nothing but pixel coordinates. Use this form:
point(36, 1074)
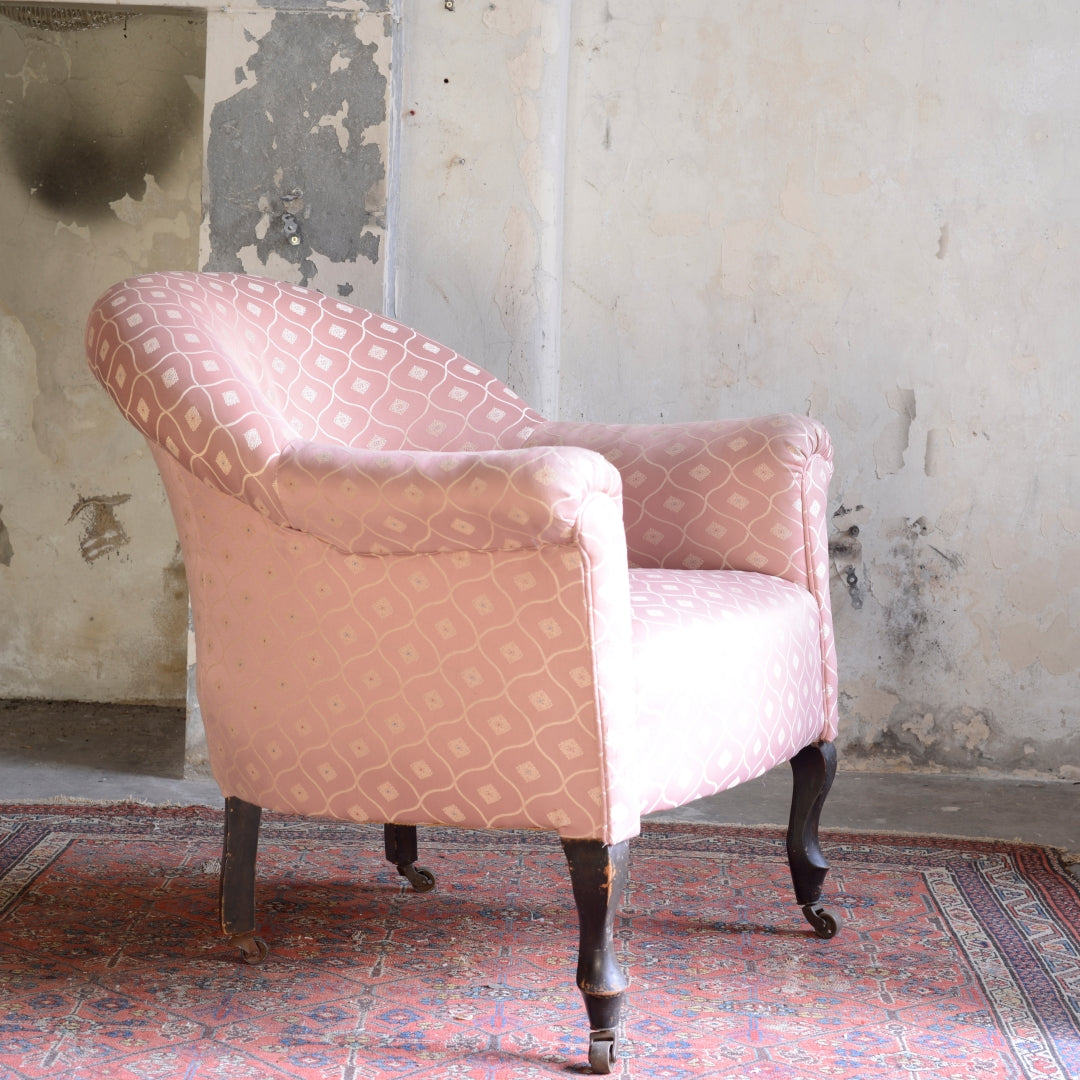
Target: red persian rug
point(955, 959)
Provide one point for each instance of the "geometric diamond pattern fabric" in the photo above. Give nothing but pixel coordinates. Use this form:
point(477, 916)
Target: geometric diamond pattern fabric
point(454, 687)
point(716, 495)
point(416, 601)
point(225, 370)
point(727, 673)
point(726, 495)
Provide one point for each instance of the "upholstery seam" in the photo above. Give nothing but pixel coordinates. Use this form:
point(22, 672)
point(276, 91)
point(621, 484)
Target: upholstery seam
point(587, 582)
point(815, 589)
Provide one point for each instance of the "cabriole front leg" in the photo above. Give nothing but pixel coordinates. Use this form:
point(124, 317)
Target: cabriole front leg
point(237, 883)
point(813, 769)
point(598, 875)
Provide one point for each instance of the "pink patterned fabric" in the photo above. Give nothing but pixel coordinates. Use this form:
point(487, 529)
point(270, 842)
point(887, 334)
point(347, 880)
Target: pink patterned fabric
point(412, 596)
point(726, 495)
point(738, 649)
point(408, 502)
point(224, 371)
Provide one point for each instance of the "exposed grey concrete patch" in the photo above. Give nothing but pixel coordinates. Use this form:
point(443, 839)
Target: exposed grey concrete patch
point(7, 552)
point(293, 142)
point(103, 534)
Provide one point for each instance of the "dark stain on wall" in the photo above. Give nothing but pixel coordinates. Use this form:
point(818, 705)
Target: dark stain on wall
point(922, 574)
point(956, 738)
point(268, 154)
point(78, 171)
point(102, 531)
point(7, 552)
point(79, 145)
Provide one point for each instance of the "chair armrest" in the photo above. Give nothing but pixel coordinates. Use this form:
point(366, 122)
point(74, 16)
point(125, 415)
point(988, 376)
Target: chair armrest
point(730, 494)
point(411, 502)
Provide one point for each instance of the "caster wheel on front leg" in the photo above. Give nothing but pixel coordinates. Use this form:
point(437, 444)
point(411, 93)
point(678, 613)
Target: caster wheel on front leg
point(603, 1051)
point(824, 922)
point(253, 950)
point(419, 877)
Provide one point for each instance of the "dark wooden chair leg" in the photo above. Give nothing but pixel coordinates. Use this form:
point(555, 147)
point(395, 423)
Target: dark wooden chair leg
point(598, 875)
point(813, 769)
point(237, 889)
point(399, 842)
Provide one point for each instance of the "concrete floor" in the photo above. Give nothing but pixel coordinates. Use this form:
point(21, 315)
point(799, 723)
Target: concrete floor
point(107, 753)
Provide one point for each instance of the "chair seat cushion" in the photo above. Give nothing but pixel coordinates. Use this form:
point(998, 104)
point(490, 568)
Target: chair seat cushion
point(728, 674)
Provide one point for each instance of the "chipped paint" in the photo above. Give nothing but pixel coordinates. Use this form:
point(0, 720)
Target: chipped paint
point(920, 736)
point(893, 441)
point(102, 534)
point(939, 443)
point(306, 117)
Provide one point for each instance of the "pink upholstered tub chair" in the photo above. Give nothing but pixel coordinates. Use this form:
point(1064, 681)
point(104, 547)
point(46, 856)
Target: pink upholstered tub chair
point(417, 602)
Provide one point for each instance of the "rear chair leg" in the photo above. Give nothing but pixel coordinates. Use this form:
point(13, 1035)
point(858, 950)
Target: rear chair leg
point(598, 874)
point(400, 844)
point(813, 769)
point(237, 888)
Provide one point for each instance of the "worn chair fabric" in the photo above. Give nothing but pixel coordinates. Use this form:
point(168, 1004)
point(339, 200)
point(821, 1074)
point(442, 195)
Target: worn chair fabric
point(418, 602)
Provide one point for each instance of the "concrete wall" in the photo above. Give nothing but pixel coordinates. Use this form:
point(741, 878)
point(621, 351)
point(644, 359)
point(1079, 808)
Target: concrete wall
point(98, 180)
point(867, 212)
point(635, 211)
point(862, 211)
point(480, 228)
point(102, 177)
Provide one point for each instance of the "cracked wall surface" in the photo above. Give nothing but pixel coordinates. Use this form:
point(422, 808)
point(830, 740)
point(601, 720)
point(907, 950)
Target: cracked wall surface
point(99, 178)
point(863, 212)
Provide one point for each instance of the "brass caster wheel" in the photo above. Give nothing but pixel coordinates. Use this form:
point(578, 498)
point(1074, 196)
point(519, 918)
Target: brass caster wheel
point(825, 923)
point(603, 1051)
point(419, 877)
point(253, 949)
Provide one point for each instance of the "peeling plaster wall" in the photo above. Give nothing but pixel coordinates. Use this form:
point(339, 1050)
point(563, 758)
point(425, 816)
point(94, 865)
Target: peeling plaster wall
point(631, 212)
point(113, 149)
point(99, 179)
point(866, 212)
point(297, 146)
